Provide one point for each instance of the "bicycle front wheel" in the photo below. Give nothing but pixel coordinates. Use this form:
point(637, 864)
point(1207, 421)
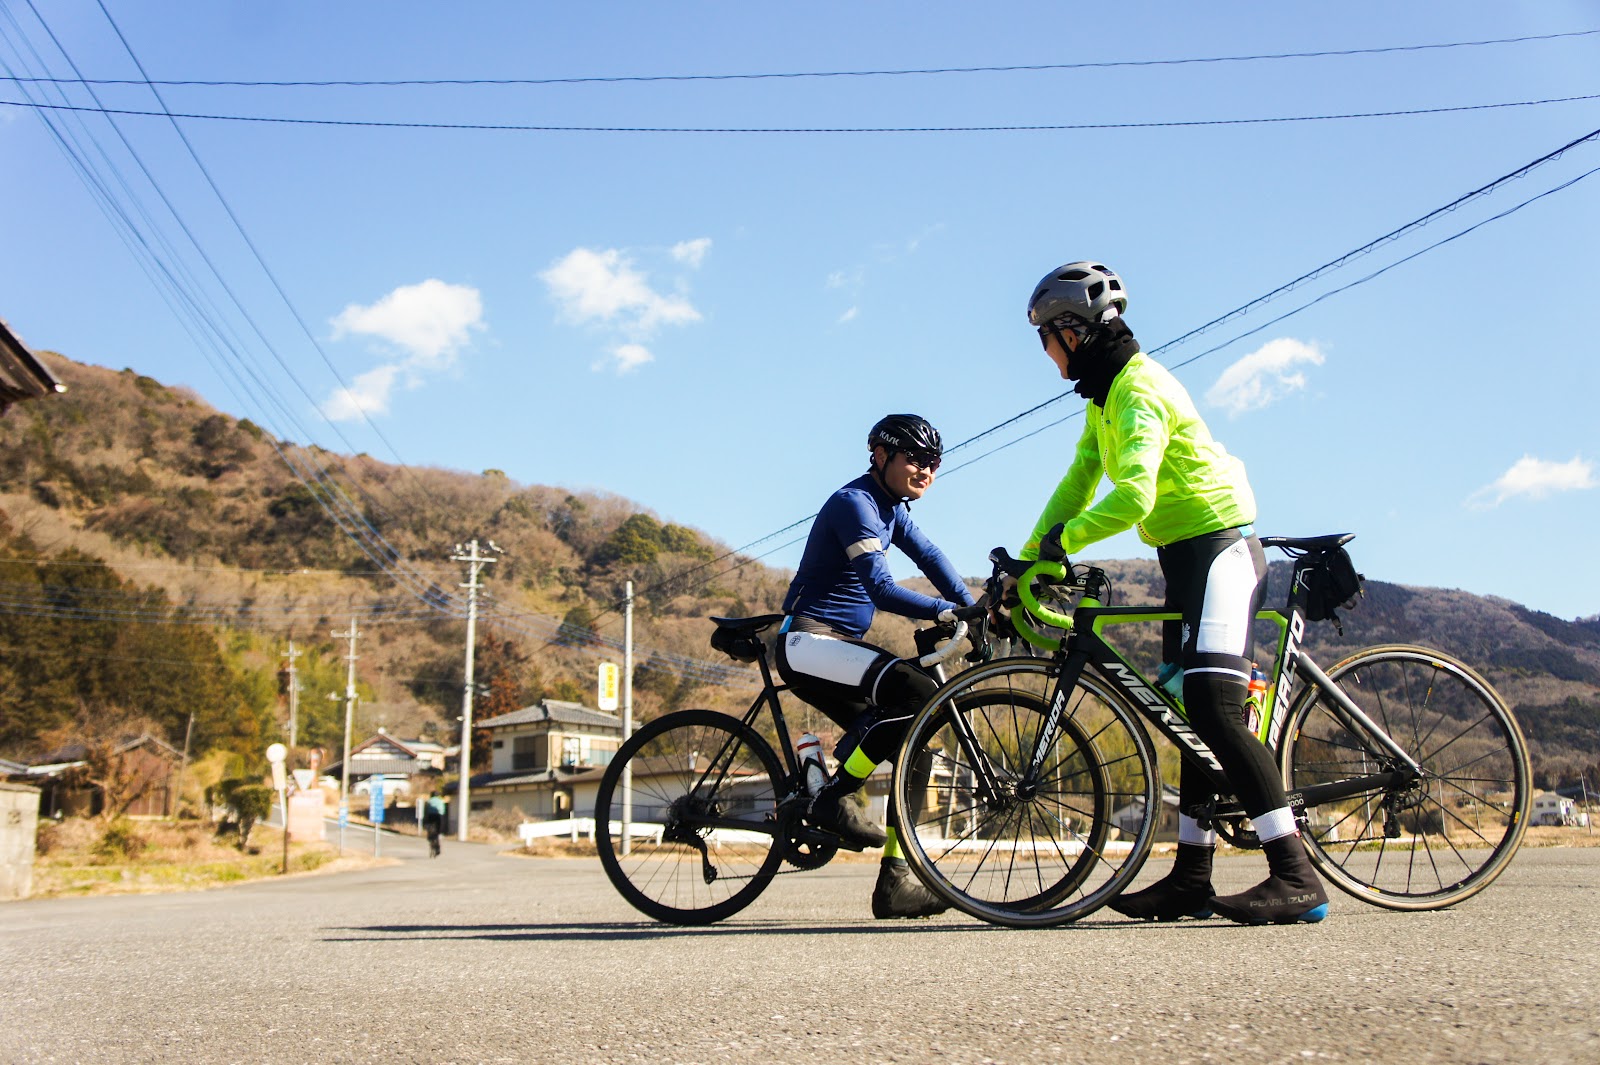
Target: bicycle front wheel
point(1445, 836)
point(703, 840)
point(1017, 836)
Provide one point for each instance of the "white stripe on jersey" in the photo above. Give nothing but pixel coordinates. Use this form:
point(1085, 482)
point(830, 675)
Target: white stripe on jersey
point(870, 546)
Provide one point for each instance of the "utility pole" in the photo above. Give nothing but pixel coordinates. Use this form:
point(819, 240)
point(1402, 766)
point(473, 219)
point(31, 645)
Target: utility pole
point(294, 696)
point(627, 717)
point(349, 717)
point(183, 767)
point(475, 562)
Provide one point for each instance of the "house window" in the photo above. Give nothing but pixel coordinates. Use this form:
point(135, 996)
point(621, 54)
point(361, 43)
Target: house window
point(529, 752)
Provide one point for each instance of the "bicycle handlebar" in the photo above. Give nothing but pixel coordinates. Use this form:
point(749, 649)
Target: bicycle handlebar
point(934, 658)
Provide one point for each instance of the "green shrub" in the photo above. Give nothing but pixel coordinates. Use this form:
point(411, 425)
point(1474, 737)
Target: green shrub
point(121, 842)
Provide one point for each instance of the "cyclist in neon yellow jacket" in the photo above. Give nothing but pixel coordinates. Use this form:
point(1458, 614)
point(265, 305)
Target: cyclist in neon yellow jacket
point(1191, 501)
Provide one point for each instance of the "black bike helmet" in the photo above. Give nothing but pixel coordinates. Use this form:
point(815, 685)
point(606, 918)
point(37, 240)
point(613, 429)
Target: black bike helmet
point(1087, 290)
point(906, 432)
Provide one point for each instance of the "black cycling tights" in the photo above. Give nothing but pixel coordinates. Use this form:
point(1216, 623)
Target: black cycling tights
point(1217, 582)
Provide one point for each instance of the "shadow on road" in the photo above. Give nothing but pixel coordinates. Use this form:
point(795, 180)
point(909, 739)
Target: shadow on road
point(643, 930)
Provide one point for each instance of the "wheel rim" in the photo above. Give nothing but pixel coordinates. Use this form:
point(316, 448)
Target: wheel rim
point(1450, 832)
point(664, 873)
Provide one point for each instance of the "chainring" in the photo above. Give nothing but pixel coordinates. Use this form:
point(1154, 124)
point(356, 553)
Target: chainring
point(1232, 829)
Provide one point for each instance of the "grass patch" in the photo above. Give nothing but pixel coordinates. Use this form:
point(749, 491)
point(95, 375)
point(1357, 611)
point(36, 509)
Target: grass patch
point(87, 857)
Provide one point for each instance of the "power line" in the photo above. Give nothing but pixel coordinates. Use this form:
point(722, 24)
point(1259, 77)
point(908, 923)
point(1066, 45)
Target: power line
point(794, 75)
point(496, 127)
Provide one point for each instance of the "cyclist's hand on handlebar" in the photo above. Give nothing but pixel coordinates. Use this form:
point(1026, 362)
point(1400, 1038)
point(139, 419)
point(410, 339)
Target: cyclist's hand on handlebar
point(965, 613)
point(1051, 548)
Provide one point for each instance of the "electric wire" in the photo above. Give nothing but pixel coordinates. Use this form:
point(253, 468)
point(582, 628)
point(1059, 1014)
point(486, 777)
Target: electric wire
point(889, 72)
point(1038, 127)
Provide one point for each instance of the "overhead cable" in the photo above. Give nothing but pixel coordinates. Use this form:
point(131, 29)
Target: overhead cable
point(518, 127)
point(792, 75)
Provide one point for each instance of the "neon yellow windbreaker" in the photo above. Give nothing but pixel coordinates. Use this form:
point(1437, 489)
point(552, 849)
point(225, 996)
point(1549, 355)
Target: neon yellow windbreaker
point(1169, 477)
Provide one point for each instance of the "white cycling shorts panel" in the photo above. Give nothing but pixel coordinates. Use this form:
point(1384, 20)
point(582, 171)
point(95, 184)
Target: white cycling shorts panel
point(828, 659)
point(1225, 616)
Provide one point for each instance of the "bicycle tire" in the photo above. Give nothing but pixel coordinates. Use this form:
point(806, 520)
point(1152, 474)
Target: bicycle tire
point(1043, 853)
point(1466, 814)
point(665, 877)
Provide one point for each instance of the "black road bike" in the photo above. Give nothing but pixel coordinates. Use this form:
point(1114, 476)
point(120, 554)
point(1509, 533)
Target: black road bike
point(699, 809)
point(1407, 773)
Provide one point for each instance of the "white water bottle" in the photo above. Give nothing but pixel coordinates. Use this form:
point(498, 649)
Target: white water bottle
point(812, 768)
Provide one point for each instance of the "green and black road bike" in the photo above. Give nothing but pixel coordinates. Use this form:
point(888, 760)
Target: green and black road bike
point(1407, 773)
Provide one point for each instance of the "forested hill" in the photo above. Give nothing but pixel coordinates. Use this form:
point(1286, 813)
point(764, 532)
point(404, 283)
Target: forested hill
point(156, 554)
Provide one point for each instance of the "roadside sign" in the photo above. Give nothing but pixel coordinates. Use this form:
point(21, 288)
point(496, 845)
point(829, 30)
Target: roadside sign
point(344, 813)
point(376, 811)
point(610, 684)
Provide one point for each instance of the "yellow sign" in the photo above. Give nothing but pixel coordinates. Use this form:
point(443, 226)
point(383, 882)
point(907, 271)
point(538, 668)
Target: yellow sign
point(610, 685)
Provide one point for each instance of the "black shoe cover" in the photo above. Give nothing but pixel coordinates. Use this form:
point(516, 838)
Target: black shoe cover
point(900, 894)
point(1164, 901)
point(1291, 894)
point(841, 816)
point(1184, 892)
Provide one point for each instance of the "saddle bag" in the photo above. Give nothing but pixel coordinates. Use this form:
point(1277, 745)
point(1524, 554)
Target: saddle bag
point(1333, 584)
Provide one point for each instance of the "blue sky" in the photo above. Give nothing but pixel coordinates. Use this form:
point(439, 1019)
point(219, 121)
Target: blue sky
point(707, 323)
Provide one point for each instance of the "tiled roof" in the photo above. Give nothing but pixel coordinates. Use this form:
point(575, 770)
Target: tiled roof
point(554, 710)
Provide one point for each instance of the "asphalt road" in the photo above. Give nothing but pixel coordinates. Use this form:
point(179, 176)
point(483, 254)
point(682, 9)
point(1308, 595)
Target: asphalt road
point(475, 957)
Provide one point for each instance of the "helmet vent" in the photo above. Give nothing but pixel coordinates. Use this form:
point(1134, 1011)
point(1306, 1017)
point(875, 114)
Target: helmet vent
point(1096, 289)
point(1073, 275)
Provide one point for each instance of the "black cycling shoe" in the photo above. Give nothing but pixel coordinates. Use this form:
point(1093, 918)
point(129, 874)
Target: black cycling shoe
point(844, 818)
point(1184, 892)
point(1291, 894)
point(900, 894)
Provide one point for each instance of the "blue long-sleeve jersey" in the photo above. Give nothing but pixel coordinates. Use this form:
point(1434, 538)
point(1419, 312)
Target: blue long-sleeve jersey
point(844, 579)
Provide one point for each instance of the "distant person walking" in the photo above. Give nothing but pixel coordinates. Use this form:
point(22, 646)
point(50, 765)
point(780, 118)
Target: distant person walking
point(433, 822)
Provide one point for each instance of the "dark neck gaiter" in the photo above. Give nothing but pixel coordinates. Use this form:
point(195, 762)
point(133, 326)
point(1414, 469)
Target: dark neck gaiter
point(1098, 361)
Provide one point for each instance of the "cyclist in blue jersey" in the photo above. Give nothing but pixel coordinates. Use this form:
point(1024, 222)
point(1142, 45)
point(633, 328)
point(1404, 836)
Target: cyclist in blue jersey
point(842, 581)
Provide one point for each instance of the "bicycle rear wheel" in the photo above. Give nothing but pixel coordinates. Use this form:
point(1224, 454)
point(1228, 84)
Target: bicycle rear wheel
point(1008, 843)
point(704, 811)
point(1447, 835)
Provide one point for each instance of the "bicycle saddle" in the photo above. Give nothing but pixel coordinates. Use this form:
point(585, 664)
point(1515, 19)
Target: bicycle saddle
point(1326, 542)
point(748, 626)
point(739, 638)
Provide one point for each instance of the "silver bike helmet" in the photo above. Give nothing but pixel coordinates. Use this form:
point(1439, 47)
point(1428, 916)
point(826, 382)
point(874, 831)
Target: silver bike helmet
point(1088, 290)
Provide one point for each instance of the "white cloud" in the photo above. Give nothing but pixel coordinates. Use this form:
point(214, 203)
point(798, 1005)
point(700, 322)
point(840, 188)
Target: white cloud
point(851, 279)
point(1536, 479)
point(848, 316)
point(625, 358)
point(604, 287)
point(1264, 376)
point(692, 252)
point(429, 321)
point(369, 394)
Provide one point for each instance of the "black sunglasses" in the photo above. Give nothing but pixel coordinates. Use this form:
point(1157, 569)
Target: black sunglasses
point(922, 460)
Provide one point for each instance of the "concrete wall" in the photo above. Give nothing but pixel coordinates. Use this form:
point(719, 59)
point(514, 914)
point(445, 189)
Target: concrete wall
point(19, 827)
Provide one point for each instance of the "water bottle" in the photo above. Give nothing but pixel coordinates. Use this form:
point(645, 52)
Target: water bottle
point(812, 768)
point(1170, 680)
point(1255, 696)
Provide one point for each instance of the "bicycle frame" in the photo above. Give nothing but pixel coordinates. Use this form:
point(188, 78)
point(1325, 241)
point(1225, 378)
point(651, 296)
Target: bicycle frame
point(1086, 646)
